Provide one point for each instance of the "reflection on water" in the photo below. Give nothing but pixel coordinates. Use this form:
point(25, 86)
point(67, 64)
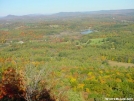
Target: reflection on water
point(88, 31)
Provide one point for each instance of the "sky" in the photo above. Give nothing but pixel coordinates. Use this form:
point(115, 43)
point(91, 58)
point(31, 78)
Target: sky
point(23, 7)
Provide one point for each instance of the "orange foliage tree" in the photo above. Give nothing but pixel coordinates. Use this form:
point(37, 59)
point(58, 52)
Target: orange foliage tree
point(12, 85)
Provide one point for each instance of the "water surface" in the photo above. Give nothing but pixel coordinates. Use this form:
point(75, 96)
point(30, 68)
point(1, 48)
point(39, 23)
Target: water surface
point(88, 31)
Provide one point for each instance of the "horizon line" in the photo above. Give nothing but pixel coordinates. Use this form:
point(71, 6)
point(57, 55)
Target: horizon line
point(61, 12)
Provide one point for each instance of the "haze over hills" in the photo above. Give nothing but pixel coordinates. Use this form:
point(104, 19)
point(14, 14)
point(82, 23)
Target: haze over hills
point(99, 12)
point(32, 17)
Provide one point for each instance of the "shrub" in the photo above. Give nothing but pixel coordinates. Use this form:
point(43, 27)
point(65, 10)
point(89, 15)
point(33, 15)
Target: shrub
point(15, 87)
point(12, 85)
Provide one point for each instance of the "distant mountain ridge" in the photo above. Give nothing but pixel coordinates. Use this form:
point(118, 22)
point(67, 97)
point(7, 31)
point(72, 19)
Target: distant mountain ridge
point(66, 14)
point(84, 12)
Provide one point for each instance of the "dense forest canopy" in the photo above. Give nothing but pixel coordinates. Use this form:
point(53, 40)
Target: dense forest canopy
point(50, 51)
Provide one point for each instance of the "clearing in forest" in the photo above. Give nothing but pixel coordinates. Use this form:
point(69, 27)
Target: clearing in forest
point(120, 64)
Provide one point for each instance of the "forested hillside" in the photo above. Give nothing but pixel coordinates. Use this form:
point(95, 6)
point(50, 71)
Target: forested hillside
point(47, 57)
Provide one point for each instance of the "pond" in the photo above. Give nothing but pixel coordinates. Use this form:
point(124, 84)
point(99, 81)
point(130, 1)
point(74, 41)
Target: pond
point(88, 31)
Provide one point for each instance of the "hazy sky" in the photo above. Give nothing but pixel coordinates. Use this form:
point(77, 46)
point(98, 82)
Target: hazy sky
point(22, 7)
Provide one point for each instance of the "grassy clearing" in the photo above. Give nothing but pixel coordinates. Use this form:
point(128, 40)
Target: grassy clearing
point(120, 64)
point(98, 41)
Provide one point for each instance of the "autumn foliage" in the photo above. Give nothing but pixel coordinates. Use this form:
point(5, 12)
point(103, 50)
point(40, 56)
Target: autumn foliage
point(12, 85)
point(13, 88)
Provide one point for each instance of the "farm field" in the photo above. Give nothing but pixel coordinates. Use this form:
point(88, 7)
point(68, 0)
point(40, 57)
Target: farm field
point(52, 56)
point(120, 64)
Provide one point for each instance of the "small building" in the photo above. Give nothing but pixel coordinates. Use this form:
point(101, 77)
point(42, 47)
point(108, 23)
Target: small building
point(20, 42)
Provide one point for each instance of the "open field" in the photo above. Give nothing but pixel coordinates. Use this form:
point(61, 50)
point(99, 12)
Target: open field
point(97, 41)
point(120, 64)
